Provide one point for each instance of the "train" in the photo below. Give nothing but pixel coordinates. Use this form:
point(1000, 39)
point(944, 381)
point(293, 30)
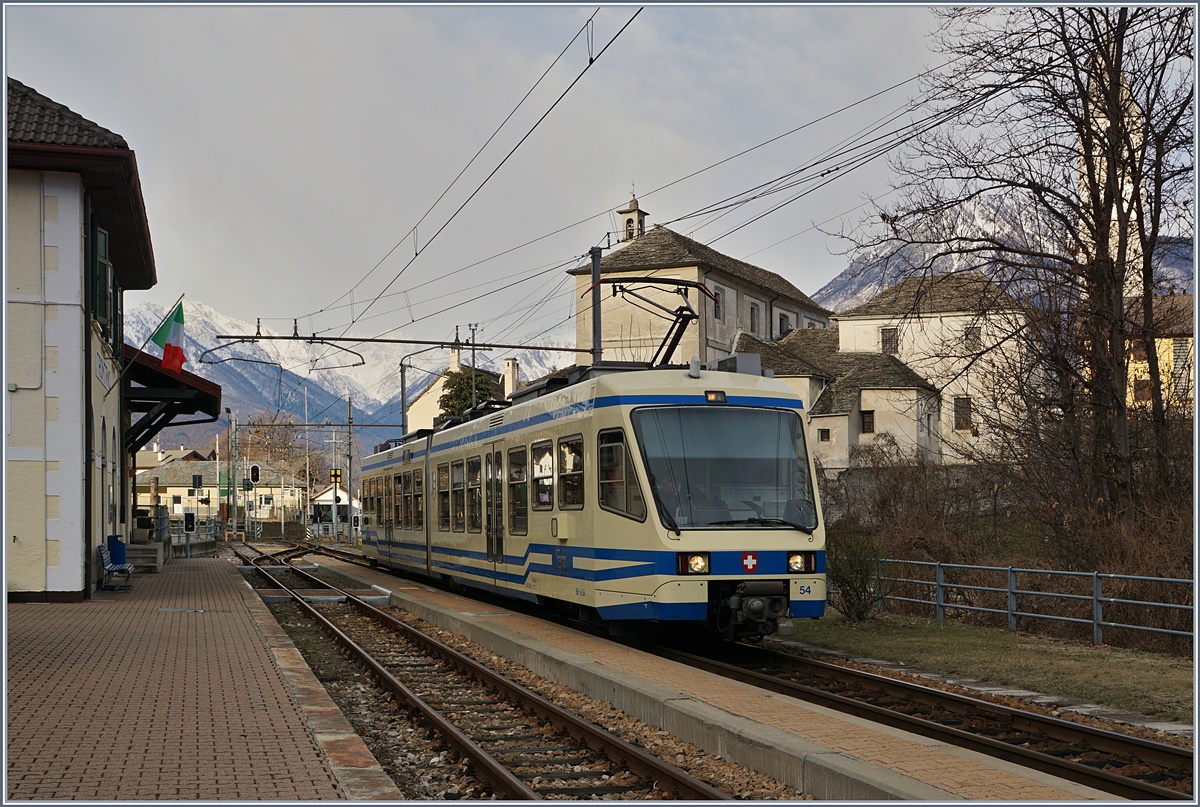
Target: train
point(677, 497)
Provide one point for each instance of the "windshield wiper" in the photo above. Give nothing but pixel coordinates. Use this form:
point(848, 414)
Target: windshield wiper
point(760, 520)
point(667, 518)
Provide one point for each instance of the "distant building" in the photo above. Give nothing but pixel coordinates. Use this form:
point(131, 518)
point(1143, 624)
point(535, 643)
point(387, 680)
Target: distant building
point(172, 485)
point(425, 409)
point(748, 299)
point(156, 455)
point(1175, 348)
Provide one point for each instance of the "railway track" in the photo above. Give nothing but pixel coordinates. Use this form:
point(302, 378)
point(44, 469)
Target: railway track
point(1128, 767)
point(1108, 761)
point(523, 745)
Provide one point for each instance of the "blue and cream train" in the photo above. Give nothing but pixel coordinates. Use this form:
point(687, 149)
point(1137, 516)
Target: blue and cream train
point(667, 495)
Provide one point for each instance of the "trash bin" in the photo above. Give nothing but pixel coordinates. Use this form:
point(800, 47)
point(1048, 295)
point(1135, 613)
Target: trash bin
point(116, 548)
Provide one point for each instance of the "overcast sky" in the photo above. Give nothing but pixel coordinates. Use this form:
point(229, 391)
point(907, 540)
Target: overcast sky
point(287, 153)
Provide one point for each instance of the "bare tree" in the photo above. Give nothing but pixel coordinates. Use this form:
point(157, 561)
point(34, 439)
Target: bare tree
point(1066, 162)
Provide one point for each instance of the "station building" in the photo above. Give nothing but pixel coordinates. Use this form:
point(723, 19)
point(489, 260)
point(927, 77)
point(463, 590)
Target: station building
point(79, 402)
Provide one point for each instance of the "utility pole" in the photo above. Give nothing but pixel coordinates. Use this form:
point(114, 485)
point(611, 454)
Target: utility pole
point(233, 484)
point(307, 472)
point(473, 327)
point(332, 477)
point(350, 469)
point(597, 350)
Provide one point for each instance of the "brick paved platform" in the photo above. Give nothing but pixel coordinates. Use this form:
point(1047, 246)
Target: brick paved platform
point(184, 688)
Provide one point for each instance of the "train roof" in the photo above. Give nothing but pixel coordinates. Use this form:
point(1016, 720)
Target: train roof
point(612, 378)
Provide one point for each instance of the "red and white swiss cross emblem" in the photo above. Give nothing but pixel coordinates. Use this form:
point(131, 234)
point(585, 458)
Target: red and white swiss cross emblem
point(750, 561)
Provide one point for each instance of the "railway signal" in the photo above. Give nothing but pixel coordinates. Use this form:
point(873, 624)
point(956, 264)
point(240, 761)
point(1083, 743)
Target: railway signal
point(189, 522)
point(254, 474)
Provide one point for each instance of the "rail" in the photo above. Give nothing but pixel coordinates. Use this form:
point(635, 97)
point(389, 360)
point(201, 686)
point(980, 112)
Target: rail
point(1100, 600)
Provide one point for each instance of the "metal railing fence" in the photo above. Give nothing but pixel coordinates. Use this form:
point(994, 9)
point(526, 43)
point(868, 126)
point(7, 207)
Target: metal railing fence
point(1083, 598)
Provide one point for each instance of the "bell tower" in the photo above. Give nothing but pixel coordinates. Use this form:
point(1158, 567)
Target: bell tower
point(633, 221)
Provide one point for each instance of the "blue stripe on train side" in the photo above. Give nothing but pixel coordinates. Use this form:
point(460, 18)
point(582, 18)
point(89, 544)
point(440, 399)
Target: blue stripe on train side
point(639, 563)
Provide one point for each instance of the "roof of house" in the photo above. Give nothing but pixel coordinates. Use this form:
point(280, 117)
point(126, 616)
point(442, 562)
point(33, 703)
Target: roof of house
point(778, 358)
point(34, 118)
point(178, 474)
point(970, 292)
point(44, 135)
point(1174, 314)
point(814, 352)
point(148, 458)
point(661, 248)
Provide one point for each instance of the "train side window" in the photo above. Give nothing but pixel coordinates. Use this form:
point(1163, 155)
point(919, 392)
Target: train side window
point(474, 496)
point(418, 501)
point(619, 488)
point(518, 492)
point(570, 472)
point(408, 501)
point(443, 494)
point(458, 521)
point(543, 475)
point(398, 501)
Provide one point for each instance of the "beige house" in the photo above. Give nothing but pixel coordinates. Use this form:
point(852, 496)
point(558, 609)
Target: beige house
point(172, 485)
point(79, 401)
point(425, 407)
point(954, 331)
point(851, 399)
point(748, 299)
point(155, 455)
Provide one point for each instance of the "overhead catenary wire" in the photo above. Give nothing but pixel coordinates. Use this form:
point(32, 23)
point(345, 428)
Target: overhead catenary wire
point(361, 314)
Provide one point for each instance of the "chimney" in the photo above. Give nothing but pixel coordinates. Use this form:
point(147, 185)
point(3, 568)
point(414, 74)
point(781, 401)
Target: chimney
point(455, 363)
point(512, 376)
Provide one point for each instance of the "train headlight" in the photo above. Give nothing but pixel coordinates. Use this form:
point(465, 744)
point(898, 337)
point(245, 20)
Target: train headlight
point(692, 562)
point(801, 562)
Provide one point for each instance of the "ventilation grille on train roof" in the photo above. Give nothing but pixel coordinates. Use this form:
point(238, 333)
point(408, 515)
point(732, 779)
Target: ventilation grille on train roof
point(497, 420)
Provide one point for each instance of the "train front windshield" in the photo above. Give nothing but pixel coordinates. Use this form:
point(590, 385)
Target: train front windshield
point(727, 467)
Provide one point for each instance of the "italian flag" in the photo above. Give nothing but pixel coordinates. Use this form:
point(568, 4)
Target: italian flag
point(169, 337)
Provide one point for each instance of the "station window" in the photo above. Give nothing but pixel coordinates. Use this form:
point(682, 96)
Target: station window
point(518, 492)
point(474, 496)
point(823, 435)
point(443, 494)
point(619, 489)
point(458, 521)
point(543, 475)
point(570, 472)
point(868, 421)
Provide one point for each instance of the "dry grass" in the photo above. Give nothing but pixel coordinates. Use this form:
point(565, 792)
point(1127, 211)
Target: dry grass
point(1150, 684)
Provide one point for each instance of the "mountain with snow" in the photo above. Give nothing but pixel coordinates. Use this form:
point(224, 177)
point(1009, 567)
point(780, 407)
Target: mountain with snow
point(270, 376)
point(874, 270)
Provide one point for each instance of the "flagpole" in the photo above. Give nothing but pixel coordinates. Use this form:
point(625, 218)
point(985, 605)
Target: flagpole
point(153, 331)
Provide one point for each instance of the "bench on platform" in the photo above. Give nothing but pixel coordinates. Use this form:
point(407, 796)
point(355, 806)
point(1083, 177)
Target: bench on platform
point(111, 568)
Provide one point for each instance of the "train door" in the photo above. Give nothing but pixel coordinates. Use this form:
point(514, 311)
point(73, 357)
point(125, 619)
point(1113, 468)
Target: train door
point(493, 507)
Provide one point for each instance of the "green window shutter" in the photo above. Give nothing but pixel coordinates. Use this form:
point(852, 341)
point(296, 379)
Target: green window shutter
point(101, 301)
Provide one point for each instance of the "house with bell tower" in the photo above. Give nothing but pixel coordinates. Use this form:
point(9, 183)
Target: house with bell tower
point(745, 298)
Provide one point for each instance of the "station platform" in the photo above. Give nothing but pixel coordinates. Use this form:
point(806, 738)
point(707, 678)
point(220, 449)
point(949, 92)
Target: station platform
point(822, 753)
point(187, 689)
point(183, 689)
